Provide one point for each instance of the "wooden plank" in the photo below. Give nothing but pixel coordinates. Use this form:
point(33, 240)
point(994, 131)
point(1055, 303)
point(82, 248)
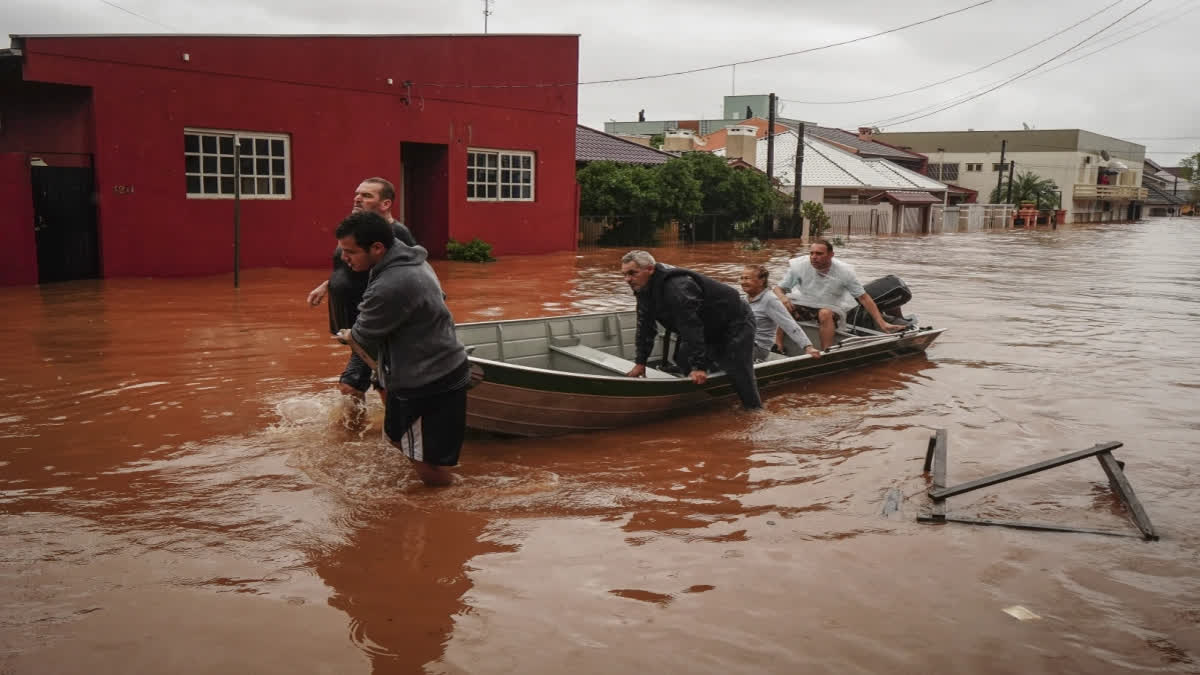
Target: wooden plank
point(1125, 491)
point(933, 441)
point(970, 486)
point(1043, 527)
point(939, 471)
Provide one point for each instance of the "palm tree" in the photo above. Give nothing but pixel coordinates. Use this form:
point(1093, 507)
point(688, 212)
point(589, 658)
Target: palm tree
point(1028, 187)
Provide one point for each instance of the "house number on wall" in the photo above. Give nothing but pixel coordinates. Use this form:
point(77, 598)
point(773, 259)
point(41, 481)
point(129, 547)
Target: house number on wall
point(123, 189)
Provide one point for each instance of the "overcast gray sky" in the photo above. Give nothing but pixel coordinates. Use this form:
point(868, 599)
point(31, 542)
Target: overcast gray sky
point(1142, 88)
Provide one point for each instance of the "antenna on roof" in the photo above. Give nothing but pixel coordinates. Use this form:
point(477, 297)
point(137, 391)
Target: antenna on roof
point(487, 11)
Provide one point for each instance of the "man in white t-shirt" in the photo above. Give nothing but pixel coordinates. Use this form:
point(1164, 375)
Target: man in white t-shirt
point(821, 288)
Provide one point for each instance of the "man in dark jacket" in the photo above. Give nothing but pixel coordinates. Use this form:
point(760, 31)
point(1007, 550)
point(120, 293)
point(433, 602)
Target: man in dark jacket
point(714, 323)
point(423, 367)
point(345, 287)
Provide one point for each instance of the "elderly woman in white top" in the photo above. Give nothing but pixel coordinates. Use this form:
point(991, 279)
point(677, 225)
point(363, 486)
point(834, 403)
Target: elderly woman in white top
point(770, 315)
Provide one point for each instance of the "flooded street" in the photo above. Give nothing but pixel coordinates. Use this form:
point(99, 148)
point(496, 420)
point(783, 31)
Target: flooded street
point(178, 494)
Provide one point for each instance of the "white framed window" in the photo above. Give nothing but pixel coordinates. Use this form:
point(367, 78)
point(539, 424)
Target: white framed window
point(974, 167)
point(214, 159)
point(500, 175)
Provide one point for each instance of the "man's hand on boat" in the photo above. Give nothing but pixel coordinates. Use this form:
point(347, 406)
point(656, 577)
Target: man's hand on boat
point(891, 328)
point(697, 376)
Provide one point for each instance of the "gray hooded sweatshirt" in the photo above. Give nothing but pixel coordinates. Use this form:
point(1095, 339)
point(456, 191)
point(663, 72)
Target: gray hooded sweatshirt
point(404, 319)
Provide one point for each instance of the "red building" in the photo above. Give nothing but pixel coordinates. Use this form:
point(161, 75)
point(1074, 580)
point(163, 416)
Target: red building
point(120, 155)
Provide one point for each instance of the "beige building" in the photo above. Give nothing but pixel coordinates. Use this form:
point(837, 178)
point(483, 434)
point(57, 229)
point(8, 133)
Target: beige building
point(1100, 177)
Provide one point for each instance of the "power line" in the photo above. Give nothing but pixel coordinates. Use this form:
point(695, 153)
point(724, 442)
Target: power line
point(1035, 44)
point(689, 71)
point(144, 18)
point(1124, 39)
point(1023, 73)
point(966, 96)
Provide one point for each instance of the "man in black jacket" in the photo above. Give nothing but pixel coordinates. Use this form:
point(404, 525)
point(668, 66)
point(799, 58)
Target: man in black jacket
point(714, 323)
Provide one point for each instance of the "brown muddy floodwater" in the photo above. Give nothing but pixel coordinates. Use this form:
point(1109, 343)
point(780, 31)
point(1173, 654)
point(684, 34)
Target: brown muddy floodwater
point(178, 494)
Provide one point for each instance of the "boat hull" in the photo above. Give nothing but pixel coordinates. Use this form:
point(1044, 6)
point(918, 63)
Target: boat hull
point(521, 400)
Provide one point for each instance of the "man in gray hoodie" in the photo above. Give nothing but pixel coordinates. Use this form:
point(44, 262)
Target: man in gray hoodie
point(404, 319)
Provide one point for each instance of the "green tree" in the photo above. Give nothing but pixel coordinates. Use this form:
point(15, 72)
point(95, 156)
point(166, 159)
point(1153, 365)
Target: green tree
point(712, 172)
point(1191, 173)
point(818, 221)
point(1191, 168)
point(638, 199)
point(731, 196)
point(1027, 186)
point(609, 189)
point(679, 192)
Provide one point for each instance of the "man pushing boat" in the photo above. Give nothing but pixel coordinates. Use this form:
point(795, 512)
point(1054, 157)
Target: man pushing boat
point(714, 324)
point(404, 319)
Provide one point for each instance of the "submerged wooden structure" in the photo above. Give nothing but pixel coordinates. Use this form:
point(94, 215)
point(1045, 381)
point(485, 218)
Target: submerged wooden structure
point(935, 461)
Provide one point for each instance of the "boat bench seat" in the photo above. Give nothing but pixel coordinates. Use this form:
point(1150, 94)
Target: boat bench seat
point(605, 360)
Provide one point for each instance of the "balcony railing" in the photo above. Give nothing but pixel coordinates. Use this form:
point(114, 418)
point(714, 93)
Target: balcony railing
point(1111, 193)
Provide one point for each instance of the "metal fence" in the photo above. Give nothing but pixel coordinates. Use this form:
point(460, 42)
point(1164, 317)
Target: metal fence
point(862, 219)
point(972, 217)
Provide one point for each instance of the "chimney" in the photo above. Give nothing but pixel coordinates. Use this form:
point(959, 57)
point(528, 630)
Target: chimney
point(741, 142)
point(864, 133)
point(679, 140)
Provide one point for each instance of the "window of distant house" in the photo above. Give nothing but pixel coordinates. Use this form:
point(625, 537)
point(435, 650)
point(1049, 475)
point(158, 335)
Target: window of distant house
point(974, 167)
point(499, 175)
point(997, 166)
point(943, 171)
point(215, 161)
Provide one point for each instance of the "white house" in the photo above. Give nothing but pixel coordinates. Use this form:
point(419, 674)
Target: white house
point(1100, 177)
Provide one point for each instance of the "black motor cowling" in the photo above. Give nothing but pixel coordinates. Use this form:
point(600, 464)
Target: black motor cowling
point(890, 293)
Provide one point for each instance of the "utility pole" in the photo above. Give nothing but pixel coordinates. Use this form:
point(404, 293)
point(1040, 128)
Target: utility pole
point(766, 223)
point(1000, 173)
point(797, 200)
point(1011, 165)
point(487, 11)
point(771, 139)
point(237, 212)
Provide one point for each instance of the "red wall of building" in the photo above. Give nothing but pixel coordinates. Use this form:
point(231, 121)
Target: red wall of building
point(52, 122)
point(18, 255)
point(331, 96)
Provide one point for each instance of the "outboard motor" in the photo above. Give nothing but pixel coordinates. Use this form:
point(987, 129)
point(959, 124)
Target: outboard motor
point(889, 293)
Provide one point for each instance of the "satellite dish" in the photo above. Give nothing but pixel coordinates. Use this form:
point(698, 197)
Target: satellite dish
point(1025, 125)
point(1105, 156)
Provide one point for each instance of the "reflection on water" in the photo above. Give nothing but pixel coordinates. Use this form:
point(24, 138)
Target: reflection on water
point(179, 487)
